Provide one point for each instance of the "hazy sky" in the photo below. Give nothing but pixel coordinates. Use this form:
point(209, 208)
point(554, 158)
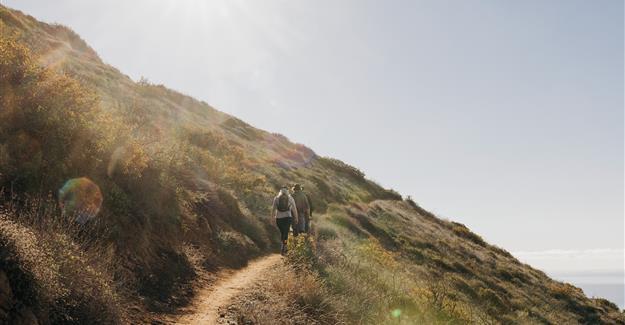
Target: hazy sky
point(503, 115)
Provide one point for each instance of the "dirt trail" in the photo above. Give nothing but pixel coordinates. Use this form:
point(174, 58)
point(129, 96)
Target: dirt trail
point(209, 300)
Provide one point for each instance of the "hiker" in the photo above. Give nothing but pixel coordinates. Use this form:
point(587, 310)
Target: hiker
point(285, 213)
point(303, 210)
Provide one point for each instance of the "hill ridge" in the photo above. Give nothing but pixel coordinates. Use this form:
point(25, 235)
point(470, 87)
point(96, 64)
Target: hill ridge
point(186, 190)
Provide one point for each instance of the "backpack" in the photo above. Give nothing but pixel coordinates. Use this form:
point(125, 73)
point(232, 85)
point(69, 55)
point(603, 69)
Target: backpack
point(283, 203)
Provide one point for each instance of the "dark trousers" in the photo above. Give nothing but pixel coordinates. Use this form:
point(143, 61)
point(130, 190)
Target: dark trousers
point(284, 224)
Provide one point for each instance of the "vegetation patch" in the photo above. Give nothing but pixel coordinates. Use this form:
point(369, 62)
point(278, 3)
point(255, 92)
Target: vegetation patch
point(462, 231)
point(174, 173)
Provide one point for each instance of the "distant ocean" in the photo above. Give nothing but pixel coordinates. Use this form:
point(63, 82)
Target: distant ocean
point(608, 285)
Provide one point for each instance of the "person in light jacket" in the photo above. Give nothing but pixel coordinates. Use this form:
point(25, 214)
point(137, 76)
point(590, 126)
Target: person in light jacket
point(284, 211)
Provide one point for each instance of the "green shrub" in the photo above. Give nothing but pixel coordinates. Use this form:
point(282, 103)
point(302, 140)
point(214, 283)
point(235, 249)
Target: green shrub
point(464, 232)
point(346, 222)
point(415, 255)
point(342, 168)
point(490, 297)
point(301, 251)
point(65, 115)
point(465, 288)
point(326, 233)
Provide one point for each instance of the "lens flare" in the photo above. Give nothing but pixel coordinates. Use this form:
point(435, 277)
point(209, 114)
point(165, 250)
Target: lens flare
point(81, 198)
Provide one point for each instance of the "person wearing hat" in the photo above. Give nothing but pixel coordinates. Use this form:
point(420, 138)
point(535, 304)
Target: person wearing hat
point(302, 203)
point(285, 213)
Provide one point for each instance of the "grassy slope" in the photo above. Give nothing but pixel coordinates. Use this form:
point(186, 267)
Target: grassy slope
point(438, 271)
point(179, 176)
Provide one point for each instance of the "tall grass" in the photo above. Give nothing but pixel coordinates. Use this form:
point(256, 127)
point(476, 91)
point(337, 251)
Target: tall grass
point(375, 287)
point(59, 271)
point(176, 174)
point(292, 293)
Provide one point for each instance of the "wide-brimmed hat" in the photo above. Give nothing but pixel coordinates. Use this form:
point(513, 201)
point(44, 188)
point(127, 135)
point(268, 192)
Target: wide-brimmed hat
point(297, 187)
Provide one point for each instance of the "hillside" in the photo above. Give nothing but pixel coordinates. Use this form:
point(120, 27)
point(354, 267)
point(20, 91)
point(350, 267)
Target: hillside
point(183, 190)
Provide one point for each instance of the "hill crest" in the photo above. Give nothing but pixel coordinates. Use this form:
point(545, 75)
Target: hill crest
point(187, 190)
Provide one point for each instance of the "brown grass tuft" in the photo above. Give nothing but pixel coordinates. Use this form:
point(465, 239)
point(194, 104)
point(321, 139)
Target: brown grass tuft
point(55, 271)
point(289, 296)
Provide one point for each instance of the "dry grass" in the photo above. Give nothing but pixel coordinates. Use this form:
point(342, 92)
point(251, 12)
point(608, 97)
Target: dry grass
point(388, 259)
point(375, 288)
point(190, 176)
point(56, 272)
point(289, 296)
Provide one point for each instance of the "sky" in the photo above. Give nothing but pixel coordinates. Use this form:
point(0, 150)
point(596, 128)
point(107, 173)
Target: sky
point(506, 116)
